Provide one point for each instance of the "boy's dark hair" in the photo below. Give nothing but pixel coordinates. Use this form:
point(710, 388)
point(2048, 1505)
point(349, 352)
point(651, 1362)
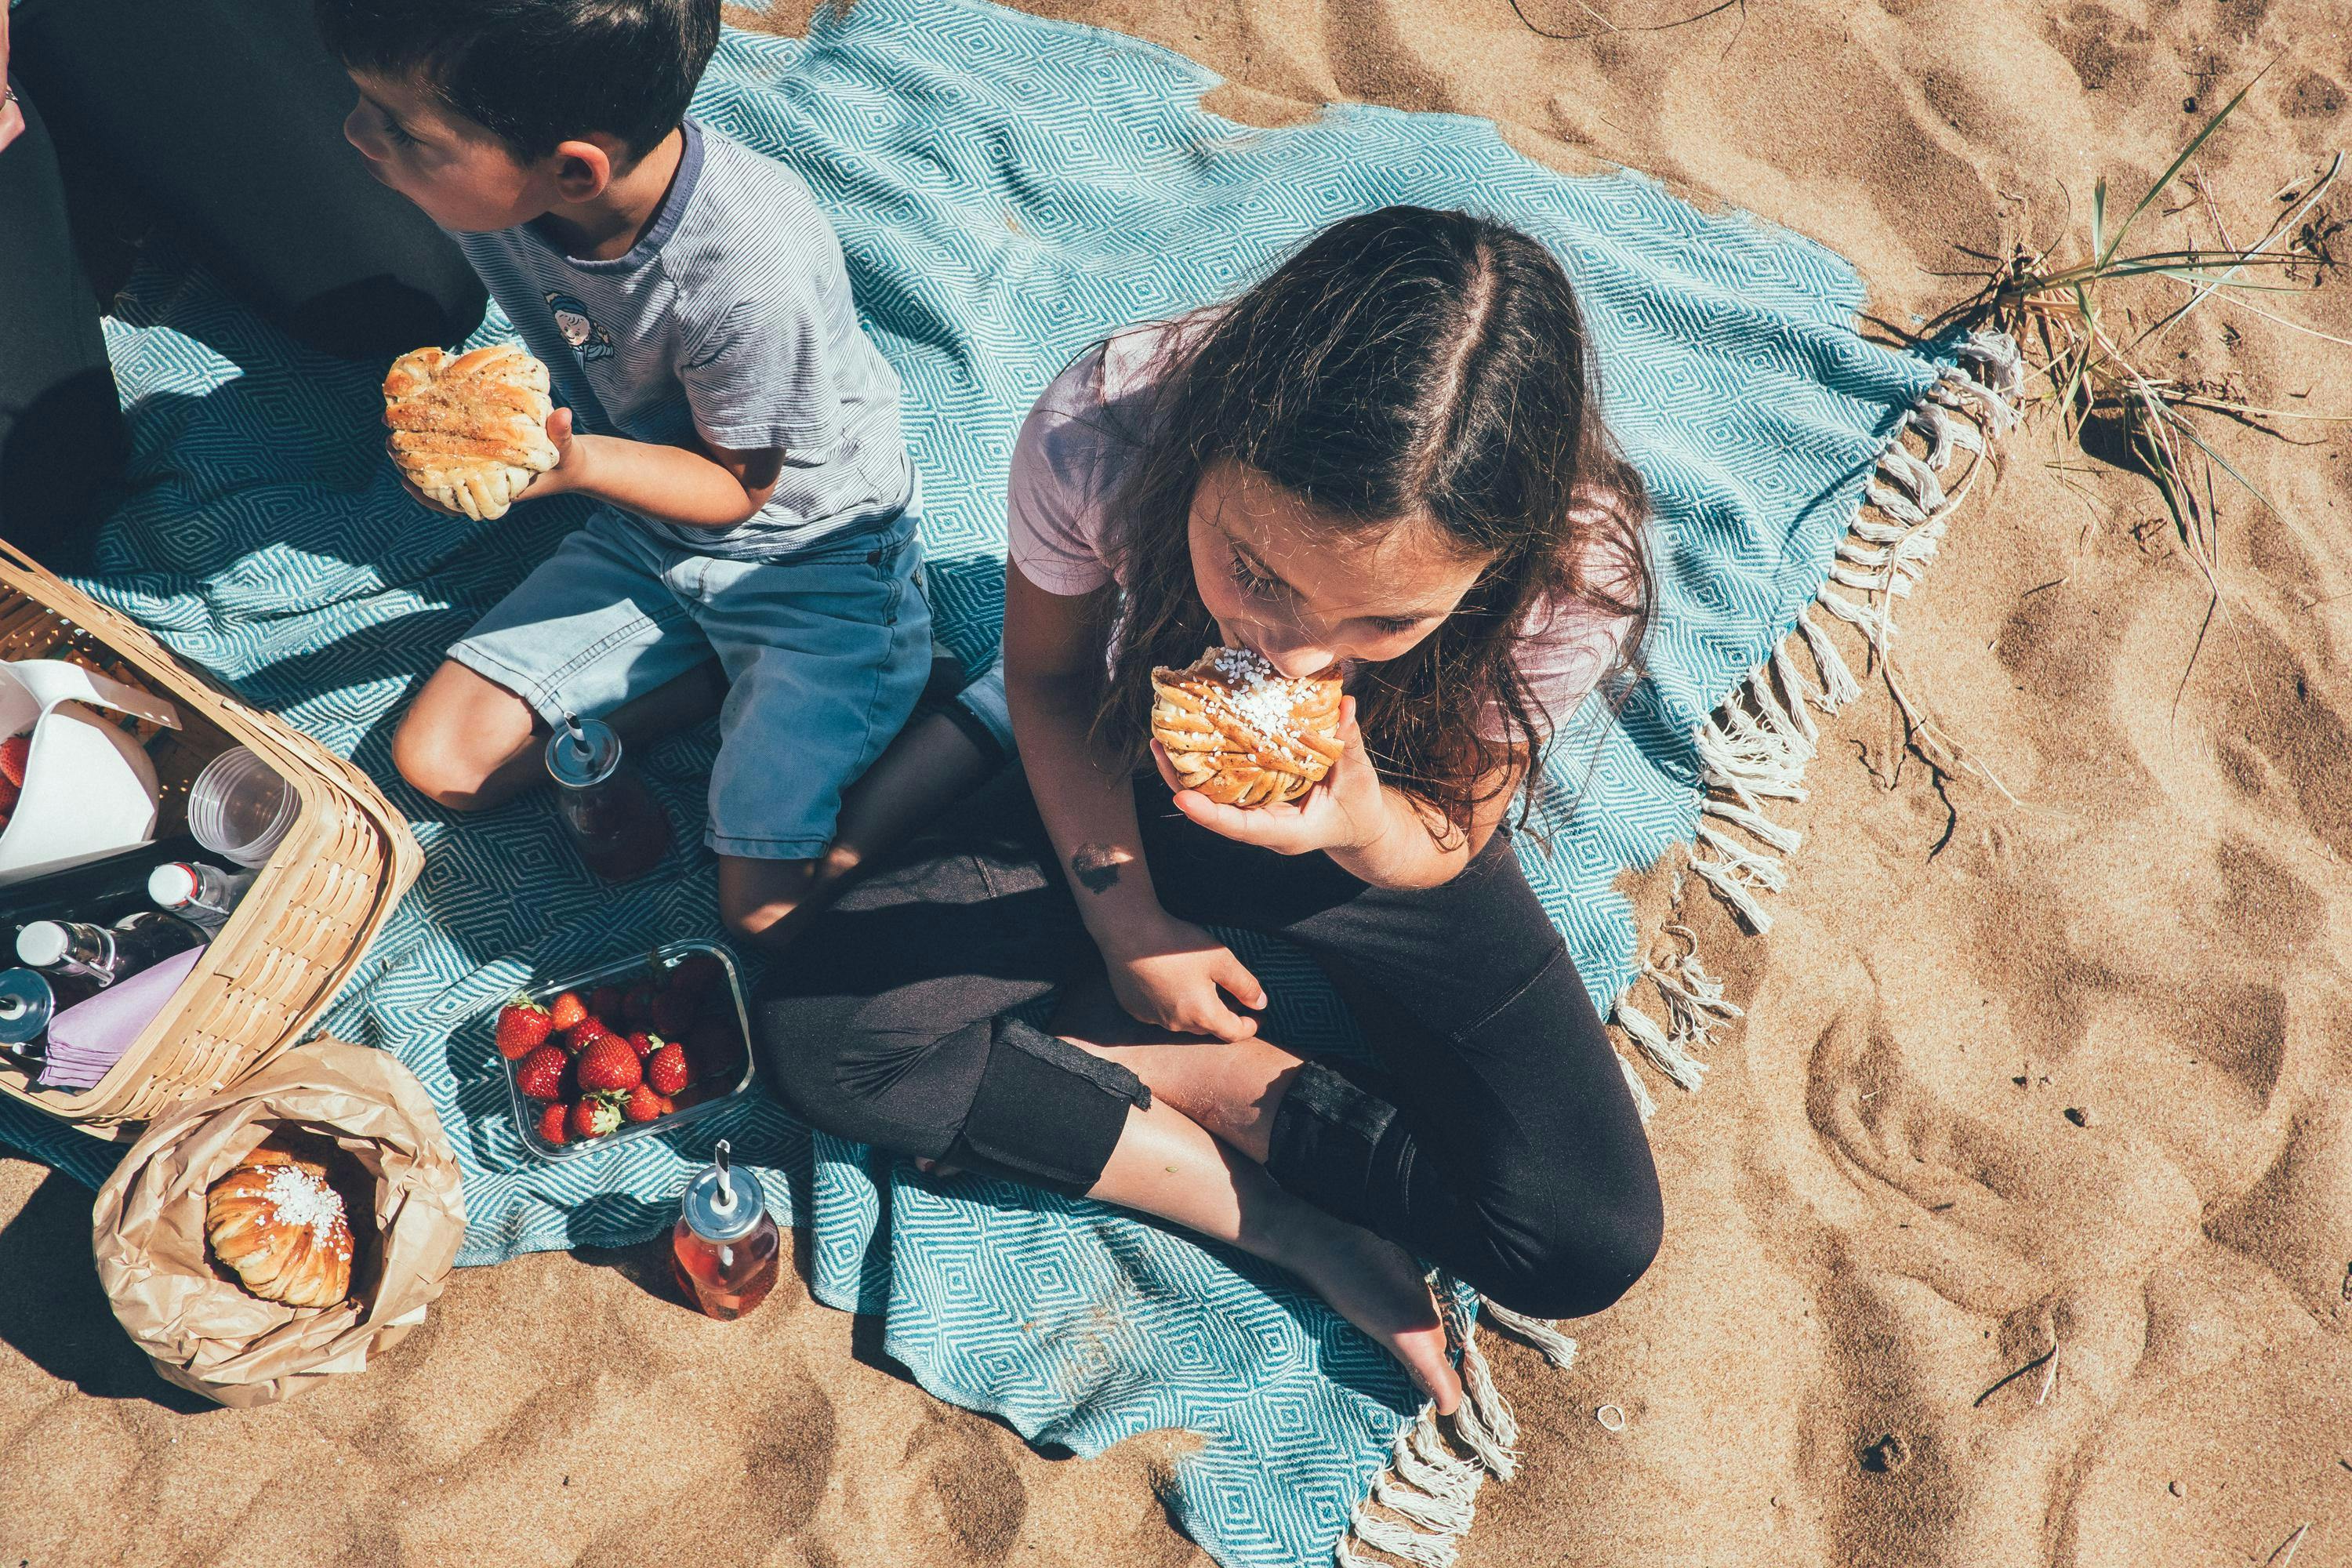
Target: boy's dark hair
point(535, 73)
point(1404, 363)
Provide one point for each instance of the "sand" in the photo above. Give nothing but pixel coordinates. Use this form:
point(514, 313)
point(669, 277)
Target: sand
point(2056, 1070)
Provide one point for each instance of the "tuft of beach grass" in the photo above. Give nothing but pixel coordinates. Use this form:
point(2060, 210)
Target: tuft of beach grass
point(2070, 309)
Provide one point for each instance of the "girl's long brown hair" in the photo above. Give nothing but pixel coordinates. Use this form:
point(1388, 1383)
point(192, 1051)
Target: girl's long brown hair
point(1404, 364)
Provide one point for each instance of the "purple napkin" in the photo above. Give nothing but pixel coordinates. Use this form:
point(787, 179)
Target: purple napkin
point(91, 1036)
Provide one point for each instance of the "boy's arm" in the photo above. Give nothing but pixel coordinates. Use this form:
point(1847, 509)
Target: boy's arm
point(714, 487)
point(757, 384)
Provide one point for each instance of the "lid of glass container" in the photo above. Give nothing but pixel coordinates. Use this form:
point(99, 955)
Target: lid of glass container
point(723, 1203)
point(583, 752)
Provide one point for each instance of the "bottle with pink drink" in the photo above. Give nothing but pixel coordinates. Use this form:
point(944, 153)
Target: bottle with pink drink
point(725, 1247)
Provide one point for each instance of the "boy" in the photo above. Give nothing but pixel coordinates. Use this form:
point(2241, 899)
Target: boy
point(694, 310)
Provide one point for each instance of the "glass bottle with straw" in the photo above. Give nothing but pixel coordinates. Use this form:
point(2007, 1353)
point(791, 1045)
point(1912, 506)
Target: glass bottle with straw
point(725, 1247)
point(617, 825)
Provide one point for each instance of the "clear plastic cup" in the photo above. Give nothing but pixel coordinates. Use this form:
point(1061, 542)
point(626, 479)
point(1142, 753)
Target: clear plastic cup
point(241, 807)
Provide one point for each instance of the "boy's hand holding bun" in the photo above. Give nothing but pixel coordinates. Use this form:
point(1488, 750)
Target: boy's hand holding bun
point(472, 432)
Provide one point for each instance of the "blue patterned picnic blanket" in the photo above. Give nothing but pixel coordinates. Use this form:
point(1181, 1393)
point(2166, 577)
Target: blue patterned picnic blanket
point(1008, 189)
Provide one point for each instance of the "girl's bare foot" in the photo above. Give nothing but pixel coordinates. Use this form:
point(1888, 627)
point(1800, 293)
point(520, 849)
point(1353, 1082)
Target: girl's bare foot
point(1376, 1286)
point(1167, 1164)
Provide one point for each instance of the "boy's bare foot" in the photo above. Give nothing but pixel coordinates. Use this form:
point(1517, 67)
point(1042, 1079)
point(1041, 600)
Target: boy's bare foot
point(1376, 1286)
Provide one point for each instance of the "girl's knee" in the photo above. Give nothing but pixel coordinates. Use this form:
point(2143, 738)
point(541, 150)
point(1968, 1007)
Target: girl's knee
point(808, 1060)
point(1581, 1263)
point(797, 1069)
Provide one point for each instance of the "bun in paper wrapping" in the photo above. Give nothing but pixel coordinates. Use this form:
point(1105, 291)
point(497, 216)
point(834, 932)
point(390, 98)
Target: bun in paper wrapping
point(203, 1330)
point(279, 1222)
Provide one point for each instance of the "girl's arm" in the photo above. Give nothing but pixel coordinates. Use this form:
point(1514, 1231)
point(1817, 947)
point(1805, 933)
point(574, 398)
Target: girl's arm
point(1376, 833)
point(12, 119)
point(1163, 971)
point(1416, 847)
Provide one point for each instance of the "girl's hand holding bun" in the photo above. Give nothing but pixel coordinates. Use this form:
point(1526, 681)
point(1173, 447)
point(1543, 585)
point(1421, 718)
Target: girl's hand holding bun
point(1345, 812)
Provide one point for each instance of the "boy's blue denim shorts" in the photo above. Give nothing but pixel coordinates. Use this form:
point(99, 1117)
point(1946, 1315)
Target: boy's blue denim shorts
point(826, 652)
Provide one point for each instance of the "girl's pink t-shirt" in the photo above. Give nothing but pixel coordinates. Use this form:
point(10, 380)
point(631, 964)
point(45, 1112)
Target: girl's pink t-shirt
point(1073, 450)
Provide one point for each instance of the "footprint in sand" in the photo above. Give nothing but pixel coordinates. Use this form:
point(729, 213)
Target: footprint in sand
point(2279, 736)
point(2075, 1212)
point(967, 1478)
point(1950, 1460)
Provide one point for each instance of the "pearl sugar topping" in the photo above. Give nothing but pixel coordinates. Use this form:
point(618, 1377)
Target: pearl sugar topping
point(1256, 695)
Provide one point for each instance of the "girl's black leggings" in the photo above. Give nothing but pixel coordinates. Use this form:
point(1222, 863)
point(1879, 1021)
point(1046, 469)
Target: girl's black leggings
point(223, 118)
point(1496, 1136)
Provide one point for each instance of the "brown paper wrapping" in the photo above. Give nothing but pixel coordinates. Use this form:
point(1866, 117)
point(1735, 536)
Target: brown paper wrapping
point(207, 1333)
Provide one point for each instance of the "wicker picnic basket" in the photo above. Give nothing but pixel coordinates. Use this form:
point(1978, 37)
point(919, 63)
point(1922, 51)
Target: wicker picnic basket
point(298, 931)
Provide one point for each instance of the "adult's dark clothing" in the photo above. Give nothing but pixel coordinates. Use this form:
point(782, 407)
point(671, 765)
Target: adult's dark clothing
point(224, 119)
point(1497, 1137)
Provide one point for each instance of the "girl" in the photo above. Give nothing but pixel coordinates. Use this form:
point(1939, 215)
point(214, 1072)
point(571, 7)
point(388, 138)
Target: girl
point(1384, 459)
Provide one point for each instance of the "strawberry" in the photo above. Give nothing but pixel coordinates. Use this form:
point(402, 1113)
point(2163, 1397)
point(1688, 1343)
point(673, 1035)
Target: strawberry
point(541, 1074)
point(645, 1045)
point(551, 1119)
point(637, 1006)
point(15, 753)
point(666, 1069)
point(610, 1065)
point(605, 1002)
point(695, 973)
point(594, 1117)
point(586, 1033)
point(568, 1010)
point(672, 1012)
point(523, 1028)
point(643, 1105)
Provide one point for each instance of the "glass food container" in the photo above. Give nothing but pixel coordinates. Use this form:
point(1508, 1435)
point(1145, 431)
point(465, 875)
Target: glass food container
point(726, 1007)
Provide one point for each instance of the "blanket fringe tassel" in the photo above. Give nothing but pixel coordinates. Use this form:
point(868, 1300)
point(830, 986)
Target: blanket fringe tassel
point(1754, 749)
point(1423, 1501)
